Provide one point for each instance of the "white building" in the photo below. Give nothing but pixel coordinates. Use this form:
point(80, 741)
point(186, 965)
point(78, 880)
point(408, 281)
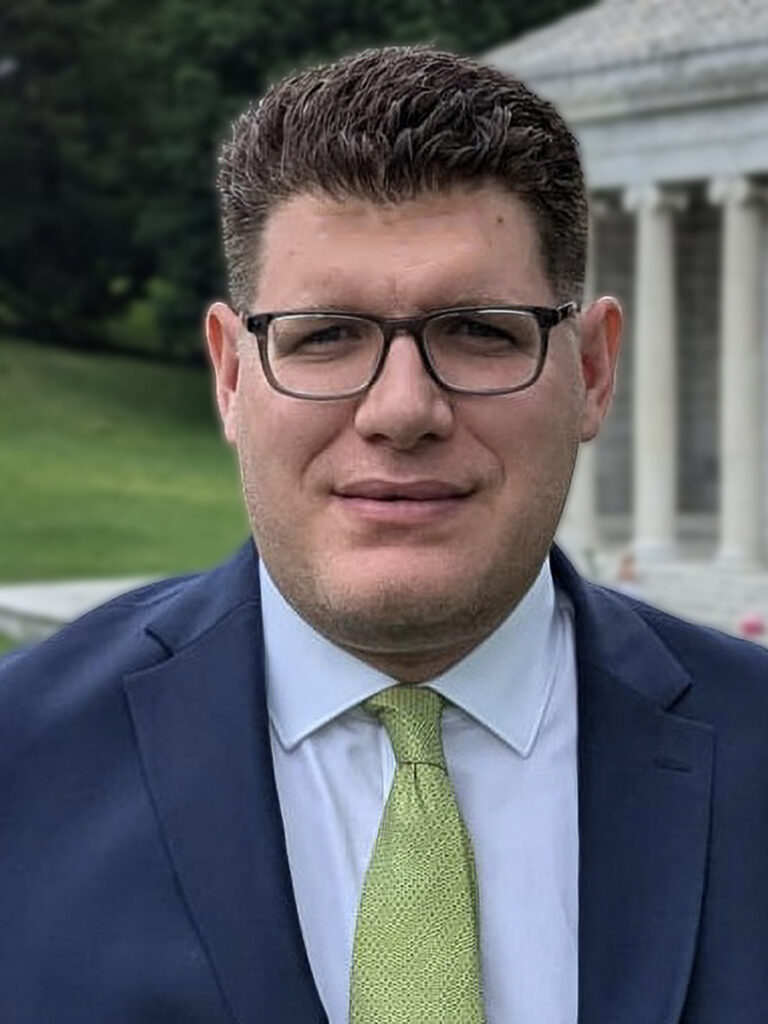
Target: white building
point(669, 100)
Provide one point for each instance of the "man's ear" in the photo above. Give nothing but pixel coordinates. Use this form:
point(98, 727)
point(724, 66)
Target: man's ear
point(600, 338)
point(222, 327)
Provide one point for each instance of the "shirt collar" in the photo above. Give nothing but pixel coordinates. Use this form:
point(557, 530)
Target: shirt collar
point(504, 683)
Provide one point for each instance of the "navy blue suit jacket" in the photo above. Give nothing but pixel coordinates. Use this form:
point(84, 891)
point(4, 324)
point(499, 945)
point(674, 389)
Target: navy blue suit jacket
point(143, 871)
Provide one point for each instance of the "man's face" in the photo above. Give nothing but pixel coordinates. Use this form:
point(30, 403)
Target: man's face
point(407, 522)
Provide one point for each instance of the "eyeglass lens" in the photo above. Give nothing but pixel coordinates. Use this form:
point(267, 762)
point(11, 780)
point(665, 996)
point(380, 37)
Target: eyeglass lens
point(482, 350)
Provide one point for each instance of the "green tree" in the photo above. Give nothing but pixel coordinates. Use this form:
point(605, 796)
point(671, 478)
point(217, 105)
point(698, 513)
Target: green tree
point(66, 210)
point(110, 114)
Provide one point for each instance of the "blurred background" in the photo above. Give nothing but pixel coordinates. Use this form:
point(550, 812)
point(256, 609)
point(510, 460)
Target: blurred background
point(111, 464)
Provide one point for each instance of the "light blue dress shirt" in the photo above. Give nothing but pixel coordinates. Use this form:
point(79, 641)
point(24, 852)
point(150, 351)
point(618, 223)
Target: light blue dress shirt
point(509, 735)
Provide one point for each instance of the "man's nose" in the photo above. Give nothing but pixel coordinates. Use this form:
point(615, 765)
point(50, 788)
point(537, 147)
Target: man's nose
point(405, 405)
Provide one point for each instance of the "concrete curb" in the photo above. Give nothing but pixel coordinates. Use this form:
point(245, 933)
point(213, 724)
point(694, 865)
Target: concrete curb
point(32, 611)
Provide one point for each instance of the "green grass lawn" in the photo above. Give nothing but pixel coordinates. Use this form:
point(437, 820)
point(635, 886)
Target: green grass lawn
point(6, 644)
point(110, 466)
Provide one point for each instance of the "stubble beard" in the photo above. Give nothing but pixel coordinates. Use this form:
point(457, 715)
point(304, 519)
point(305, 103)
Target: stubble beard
point(409, 631)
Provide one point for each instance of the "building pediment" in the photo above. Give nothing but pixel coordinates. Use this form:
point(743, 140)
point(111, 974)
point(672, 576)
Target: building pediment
point(656, 90)
point(620, 57)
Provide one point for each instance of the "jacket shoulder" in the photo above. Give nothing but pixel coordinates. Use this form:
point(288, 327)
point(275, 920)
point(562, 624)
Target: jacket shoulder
point(77, 673)
point(697, 645)
point(729, 674)
point(124, 615)
point(81, 665)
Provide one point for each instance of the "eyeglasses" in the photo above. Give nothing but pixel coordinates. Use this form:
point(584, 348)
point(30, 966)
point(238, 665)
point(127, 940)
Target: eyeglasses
point(324, 355)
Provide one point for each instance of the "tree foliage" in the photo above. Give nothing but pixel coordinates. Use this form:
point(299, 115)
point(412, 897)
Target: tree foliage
point(110, 114)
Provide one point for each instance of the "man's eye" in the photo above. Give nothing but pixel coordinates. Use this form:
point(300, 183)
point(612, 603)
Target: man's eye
point(311, 337)
point(327, 335)
point(481, 329)
point(480, 335)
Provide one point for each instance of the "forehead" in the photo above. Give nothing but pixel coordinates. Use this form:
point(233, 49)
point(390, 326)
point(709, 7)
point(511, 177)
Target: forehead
point(465, 245)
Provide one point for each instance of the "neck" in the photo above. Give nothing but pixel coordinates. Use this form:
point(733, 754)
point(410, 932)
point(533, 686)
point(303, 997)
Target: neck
point(419, 666)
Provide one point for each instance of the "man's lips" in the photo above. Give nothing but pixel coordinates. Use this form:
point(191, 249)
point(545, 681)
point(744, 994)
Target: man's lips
point(402, 490)
point(401, 503)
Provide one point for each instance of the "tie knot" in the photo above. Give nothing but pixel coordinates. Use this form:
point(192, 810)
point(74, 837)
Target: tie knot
point(411, 715)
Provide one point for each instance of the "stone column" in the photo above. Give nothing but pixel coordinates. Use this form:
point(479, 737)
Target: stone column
point(741, 371)
point(655, 369)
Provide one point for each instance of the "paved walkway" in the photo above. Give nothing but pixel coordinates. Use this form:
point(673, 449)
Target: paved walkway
point(29, 611)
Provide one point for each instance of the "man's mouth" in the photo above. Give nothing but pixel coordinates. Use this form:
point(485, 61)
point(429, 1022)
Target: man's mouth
point(402, 501)
point(403, 490)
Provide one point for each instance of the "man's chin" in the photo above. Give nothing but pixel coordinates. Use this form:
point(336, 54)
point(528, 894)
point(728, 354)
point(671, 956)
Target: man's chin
point(400, 580)
point(411, 565)
point(396, 611)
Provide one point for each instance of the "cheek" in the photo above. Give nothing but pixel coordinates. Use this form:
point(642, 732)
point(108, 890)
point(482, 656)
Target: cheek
point(531, 439)
point(280, 440)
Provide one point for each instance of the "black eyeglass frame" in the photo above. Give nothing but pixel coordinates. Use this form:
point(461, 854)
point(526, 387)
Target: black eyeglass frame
point(546, 317)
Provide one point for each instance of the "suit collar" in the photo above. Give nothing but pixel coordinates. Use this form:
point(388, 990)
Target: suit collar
point(613, 636)
point(207, 599)
point(606, 625)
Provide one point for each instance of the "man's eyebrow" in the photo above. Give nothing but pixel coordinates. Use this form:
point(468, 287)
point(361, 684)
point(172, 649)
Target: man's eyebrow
point(486, 299)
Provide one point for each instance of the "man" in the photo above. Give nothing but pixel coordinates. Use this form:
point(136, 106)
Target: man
point(404, 764)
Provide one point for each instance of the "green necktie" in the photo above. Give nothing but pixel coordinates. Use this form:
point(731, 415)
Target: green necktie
point(416, 957)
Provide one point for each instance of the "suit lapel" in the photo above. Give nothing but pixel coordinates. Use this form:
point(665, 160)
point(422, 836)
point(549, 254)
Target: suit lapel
point(644, 807)
point(202, 728)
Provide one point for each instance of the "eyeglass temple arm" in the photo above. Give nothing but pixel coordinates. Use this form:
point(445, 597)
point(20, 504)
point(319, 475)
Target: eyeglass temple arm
point(564, 312)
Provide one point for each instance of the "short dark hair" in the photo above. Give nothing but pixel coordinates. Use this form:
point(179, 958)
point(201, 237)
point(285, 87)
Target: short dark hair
point(389, 124)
